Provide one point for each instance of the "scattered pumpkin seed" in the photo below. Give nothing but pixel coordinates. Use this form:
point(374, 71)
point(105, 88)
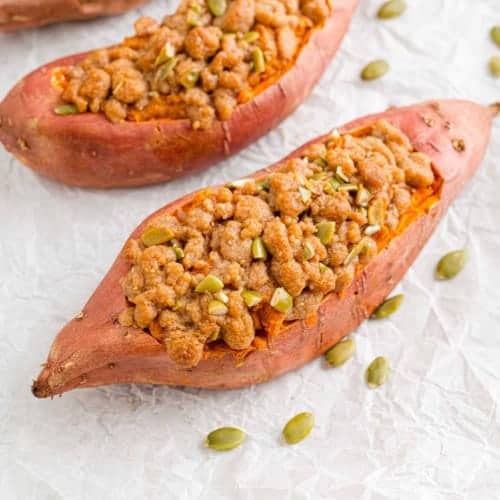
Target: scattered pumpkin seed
point(377, 372)
point(355, 251)
point(281, 300)
point(251, 297)
point(156, 236)
point(193, 17)
point(375, 69)
point(388, 307)
point(225, 438)
point(298, 427)
point(259, 61)
point(222, 296)
point(251, 36)
point(326, 231)
point(321, 162)
point(340, 174)
point(323, 268)
point(65, 110)
point(166, 53)
point(341, 352)
point(348, 187)
point(305, 194)
point(209, 283)
point(179, 252)
point(495, 66)
point(451, 264)
point(495, 34)
point(189, 78)
point(363, 196)
point(165, 69)
point(376, 212)
point(263, 185)
point(391, 9)
point(258, 249)
point(332, 185)
point(308, 251)
point(217, 7)
point(371, 230)
point(217, 308)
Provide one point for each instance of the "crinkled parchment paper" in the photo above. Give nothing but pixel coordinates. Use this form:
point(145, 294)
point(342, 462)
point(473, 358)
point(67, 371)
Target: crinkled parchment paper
point(433, 432)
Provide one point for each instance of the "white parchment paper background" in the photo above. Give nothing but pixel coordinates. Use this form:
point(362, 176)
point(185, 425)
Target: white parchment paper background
point(433, 432)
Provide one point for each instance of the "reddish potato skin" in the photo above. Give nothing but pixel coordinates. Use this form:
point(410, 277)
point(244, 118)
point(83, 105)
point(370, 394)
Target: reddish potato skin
point(89, 151)
point(21, 14)
point(96, 350)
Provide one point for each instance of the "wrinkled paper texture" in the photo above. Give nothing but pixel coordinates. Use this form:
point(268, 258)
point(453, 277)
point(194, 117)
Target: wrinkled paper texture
point(433, 432)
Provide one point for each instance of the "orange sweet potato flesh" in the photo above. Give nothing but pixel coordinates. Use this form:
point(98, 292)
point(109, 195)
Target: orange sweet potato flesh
point(21, 14)
point(95, 350)
point(89, 151)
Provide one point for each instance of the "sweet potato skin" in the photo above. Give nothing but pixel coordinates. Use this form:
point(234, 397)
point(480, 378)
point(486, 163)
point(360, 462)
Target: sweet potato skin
point(22, 14)
point(89, 151)
point(95, 350)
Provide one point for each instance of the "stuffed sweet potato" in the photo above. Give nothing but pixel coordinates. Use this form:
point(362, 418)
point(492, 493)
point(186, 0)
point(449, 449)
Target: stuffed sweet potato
point(235, 285)
point(177, 96)
point(21, 14)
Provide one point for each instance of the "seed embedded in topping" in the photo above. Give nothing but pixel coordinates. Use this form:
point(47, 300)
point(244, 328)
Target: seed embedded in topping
point(259, 61)
point(356, 250)
point(179, 252)
point(340, 174)
point(222, 296)
point(251, 297)
point(65, 110)
point(305, 194)
point(251, 36)
point(376, 213)
point(156, 236)
point(217, 308)
point(188, 80)
point(259, 251)
point(362, 196)
point(308, 251)
point(217, 7)
point(194, 15)
point(326, 231)
point(209, 284)
point(348, 187)
point(166, 53)
point(281, 300)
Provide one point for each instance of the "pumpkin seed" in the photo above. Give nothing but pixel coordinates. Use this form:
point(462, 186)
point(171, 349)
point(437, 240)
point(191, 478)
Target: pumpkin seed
point(375, 69)
point(281, 300)
point(305, 194)
point(308, 251)
point(263, 185)
point(363, 197)
point(298, 427)
point(388, 307)
point(209, 283)
point(495, 66)
point(348, 187)
point(193, 16)
point(65, 110)
point(217, 308)
point(222, 296)
point(323, 268)
point(341, 352)
point(377, 372)
point(326, 231)
point(391, 9)
point(179, 252)
point(251, 297)
point(376, 212)
point(356, 250)
point(166, 53)
point(451, 264)
point(217, 7)
point(495, 34)
point(156, 236)
point(251, 36)
point(259, 60)
point(189, 79)
point(225, 438)
point(258, 249)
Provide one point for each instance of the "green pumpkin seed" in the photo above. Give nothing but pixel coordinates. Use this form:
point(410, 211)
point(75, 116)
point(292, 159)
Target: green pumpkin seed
point(309, 251)
point(217, 7)
point(251, 36)
point(341, 352)
point(374, 70)
point(217, 308)
point(451, 264)
point(65, 110)
point(179, 252)
point(377, 372)
point(209, 283)
point(156, 236)
point(388, 307)
point(495, 34)
point(225, 438)
point(391, 9)
point(251, 297)
point(258, 249)
point(189, 79)
point(281, 300)
point(495, 66)
point(326, 231)
point(259, 61)
point(298, 427)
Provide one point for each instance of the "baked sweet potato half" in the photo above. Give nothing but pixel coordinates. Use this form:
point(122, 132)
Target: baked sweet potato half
point(22, 14)
point(235, 285)
point(176, 97)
